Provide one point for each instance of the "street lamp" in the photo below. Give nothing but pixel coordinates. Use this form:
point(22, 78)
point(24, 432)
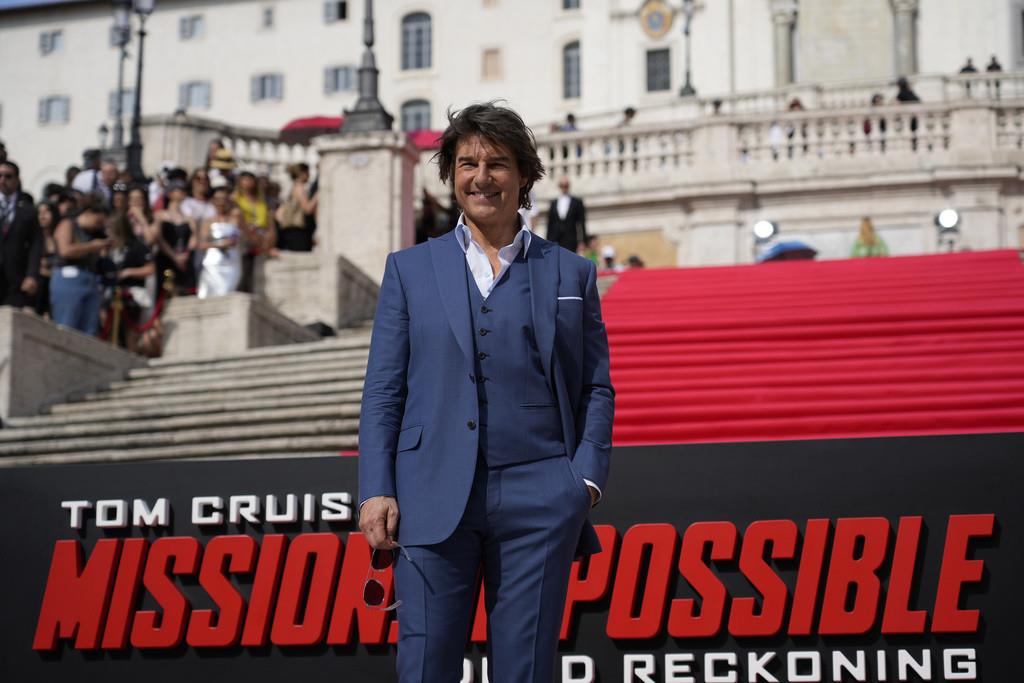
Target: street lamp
point(102, 132)
point(122, 34)
point(948, 223)
point(143, 8)
point(688, 10)
point(764, 232)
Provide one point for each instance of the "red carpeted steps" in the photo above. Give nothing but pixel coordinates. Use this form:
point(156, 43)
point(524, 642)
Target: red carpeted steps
point(830, 349)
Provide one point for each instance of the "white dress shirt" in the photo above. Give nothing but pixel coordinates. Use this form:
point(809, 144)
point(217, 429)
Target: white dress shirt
point(562, 205)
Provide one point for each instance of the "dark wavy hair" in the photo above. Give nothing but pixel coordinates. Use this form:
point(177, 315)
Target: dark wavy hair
point(497, 125)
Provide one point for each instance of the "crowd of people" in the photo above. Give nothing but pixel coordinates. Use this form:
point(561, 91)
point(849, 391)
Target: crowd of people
point(101, 254)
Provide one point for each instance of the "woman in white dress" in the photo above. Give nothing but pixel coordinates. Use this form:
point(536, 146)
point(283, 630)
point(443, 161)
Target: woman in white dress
point(220, 238)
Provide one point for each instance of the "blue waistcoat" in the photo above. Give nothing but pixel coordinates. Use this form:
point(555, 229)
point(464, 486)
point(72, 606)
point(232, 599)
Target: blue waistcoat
point(514, 396)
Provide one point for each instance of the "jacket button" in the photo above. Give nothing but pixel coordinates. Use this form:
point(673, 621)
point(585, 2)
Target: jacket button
point(483, 331)
point(484, 309)
point(471, 424)
point(481, 355)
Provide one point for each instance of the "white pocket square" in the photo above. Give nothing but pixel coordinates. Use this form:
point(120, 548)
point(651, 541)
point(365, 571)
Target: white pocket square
point(570, 298)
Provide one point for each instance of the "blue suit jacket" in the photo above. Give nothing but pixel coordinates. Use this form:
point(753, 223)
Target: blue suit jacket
point(415, 442)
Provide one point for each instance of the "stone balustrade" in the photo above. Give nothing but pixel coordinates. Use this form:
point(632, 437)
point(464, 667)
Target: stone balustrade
point(731, 147)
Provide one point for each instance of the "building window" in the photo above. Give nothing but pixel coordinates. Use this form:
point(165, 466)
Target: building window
point(194, 95)
point(1022, 35)
point(56, 109)
point(267, 20)
point(127, 103)
point(415, 115)
point(416, 41)
point(267, 87)
point(190, 27)
point(339, 79)
point(571, 71)
point(491, 69)
point(659, 71)
point(335, 10)
point(570, 4)
point(50, 42)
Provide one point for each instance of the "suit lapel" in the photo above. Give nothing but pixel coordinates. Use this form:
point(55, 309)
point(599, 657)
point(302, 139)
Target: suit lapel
point(450, 271)
point(543, 263)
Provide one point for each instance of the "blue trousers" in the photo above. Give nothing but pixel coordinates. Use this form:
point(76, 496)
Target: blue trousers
point(75, 301)
point(522, 525)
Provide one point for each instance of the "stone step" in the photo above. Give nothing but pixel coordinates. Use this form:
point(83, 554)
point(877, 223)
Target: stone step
point(230, 418)
point(187, 437)
point(354, 341)
point(332, 443)
point(103, 403)
point(276, 370)
point(325, 355)
point(203, 386)
point(37, 423)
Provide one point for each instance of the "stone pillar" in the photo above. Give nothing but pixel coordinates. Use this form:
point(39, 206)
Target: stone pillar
point(365, 209)
point(783, 18)
point(905, 28)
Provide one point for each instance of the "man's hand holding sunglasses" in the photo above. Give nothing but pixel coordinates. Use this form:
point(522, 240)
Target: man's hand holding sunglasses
point(378, 520)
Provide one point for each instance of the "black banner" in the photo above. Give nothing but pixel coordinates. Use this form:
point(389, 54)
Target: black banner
point(895, 559)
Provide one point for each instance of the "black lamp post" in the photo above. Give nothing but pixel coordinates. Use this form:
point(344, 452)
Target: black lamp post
point(688, 9)
point(368, 114)
point(143, 8)
point(122, 34)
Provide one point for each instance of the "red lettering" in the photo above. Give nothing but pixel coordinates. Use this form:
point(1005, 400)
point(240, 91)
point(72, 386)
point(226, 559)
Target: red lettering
point(126, 593)
point(808, 578)
point(897, 618)
point(957, 570)
point(661, 539)
point(478, 633)
point(210, 628)
point(349, 607)
point(782, 535)
point(151, 628)
point(291, 628)
point(847, 572)
point(683, 620)
point(264, 590)
point(77, 594)
point(594, 586)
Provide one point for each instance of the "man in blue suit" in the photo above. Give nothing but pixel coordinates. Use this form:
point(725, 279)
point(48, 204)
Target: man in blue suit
point(486, 418)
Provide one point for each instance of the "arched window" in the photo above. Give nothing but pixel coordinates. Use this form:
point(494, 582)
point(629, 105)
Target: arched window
point(416, 41)
point(571, 71)
point(415, 115)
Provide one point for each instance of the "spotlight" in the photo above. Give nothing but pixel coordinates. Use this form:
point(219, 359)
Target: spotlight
point(947, 220)
point(948, 223)
point(764, 230)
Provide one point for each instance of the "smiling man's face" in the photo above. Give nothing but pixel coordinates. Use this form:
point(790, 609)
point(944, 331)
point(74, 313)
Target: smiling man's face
point(487, 182)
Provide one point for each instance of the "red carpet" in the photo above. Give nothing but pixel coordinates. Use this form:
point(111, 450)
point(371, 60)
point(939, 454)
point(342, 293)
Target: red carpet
point(830, 349)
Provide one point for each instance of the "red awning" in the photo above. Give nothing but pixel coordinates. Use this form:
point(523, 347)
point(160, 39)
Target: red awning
point(426, 139)
point(301, 131)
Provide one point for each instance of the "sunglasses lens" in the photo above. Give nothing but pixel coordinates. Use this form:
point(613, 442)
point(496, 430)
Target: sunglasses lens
point(373, 593)
point(382, 559)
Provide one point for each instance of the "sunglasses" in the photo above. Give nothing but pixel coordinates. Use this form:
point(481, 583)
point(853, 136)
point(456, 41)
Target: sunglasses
point(373, 590)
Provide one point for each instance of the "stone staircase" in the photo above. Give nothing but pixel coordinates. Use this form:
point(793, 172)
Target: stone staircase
point(294, 400)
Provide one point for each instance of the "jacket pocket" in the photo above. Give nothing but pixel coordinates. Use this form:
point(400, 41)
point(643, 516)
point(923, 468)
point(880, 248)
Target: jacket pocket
point(409, 438)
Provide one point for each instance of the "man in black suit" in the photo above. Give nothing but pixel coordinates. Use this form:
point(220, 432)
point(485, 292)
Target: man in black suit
point(21, 243)
point(567, 219)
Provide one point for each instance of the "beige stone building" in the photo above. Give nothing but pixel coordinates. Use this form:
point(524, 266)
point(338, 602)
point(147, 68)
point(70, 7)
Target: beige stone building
point(682, 184)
